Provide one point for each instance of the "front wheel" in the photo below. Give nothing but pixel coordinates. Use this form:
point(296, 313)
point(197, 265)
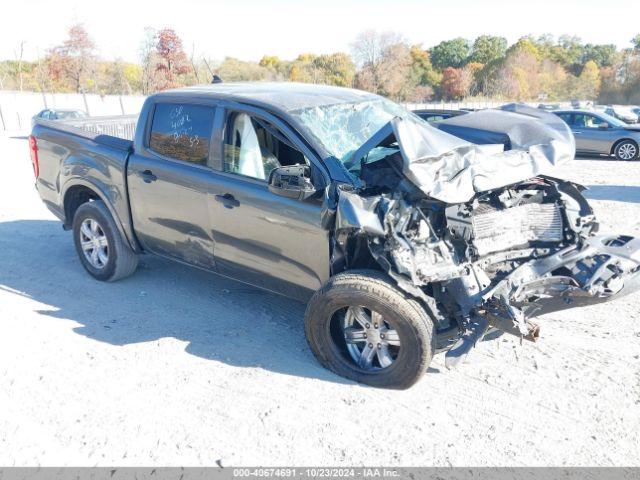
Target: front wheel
point(362, 327)
point(626, 150)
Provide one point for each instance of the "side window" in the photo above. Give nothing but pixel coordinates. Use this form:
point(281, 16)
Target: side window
point(182, 132)
point(588, 121)
point(254, 147)
point(566, 117)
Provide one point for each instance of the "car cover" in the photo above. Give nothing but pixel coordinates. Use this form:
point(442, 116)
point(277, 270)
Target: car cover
point(453, 170)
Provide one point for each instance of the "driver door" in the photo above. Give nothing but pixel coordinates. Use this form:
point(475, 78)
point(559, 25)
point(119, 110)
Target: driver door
point(261, 238)
point(589, 135)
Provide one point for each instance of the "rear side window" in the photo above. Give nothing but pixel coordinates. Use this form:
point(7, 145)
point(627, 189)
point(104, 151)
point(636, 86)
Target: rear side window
point(182, 132)
point(565, 116)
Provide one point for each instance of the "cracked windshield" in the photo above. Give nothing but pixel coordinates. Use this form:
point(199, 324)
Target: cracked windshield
point(342, 128)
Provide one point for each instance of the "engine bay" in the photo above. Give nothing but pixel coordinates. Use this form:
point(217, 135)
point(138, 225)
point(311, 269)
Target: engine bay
point(495, 261)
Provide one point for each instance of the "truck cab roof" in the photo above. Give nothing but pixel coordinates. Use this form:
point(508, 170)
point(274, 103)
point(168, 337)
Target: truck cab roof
point(283, 96)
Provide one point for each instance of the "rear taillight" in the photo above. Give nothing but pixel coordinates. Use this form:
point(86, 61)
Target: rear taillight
point(33, 148)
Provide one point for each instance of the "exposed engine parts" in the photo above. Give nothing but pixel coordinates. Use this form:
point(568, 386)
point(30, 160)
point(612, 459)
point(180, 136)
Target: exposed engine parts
point(495, 261)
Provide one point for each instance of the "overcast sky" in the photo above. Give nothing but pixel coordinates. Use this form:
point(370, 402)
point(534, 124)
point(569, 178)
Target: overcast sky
point(249, 29)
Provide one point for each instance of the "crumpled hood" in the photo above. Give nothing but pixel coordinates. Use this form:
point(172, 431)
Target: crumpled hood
point(453, 170)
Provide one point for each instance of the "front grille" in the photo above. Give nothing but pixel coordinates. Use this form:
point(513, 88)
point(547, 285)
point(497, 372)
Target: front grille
point(516, 227)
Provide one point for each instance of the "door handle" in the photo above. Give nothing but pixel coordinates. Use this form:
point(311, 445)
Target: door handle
point(577, 133)
point(228, 200)
point(147, 176)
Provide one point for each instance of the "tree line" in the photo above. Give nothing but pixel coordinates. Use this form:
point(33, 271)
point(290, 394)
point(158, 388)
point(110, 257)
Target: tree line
point(532, 69)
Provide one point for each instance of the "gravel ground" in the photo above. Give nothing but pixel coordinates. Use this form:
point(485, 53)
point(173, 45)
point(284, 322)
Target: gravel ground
point(175, 366)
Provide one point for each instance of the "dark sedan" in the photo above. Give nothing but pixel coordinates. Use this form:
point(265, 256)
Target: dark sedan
point(435, 115)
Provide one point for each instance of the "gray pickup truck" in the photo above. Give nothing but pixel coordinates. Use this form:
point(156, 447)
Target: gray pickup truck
point(405, 240)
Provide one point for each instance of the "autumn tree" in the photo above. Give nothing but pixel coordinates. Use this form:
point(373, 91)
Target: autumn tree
point(172, 60)
point(235, 70)
point(456, 83)
point(588, 83)
point(518, 79)
point(73, 62)
point(422, 71)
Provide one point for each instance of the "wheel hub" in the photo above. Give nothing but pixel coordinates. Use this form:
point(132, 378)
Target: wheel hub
point(94, 243)
point(627, 151)
point(371, 342)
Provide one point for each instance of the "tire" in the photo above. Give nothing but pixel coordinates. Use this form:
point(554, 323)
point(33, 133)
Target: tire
point(115, 260)
point(626, 150)
point(373, 292)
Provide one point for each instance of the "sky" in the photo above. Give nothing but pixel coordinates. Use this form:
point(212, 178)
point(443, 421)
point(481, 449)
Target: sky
point(249, 29)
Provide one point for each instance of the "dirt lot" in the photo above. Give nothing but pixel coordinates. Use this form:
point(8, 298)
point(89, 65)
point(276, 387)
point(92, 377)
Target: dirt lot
point(175, 366)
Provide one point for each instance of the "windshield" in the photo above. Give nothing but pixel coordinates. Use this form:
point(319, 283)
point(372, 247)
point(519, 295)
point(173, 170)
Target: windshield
point(342, 128)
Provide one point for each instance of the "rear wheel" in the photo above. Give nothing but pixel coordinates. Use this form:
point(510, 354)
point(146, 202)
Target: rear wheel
point(362, 327)
point(626, 150)
point(100, 247)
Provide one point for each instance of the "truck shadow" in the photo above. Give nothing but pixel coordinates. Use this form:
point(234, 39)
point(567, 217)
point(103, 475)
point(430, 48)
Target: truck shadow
point(220, 319)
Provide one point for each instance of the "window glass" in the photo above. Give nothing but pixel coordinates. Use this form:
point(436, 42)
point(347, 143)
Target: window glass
point(587, 121)
point(182, 132)
point(254, 147)
point(565, 116)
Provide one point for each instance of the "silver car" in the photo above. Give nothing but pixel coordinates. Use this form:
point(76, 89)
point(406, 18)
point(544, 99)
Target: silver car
point(602, 134)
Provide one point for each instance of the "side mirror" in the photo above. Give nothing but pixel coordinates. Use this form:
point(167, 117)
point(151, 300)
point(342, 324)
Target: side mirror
point(292, 181)
point(603, 126)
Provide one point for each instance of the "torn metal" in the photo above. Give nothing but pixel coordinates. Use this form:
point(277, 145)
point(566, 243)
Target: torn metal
point(479, 234)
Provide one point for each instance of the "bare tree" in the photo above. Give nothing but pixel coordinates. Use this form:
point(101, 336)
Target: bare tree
point(19, 64)
point(148, 60)
point(370, 49)
point(193, 64)
point(75, 59)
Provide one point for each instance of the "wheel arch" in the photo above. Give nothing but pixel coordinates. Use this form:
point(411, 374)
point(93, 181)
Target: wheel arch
point(77, 192)
point(619, 141)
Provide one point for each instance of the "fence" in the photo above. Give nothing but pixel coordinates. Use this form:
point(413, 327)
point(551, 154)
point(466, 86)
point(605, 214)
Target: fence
point(17, 108)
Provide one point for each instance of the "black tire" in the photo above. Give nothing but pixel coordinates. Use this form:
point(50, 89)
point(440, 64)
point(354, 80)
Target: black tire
point(122, 260)
point(623, 149)
point(376, 292)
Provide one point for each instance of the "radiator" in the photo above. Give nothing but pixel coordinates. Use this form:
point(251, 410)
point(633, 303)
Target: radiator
point(516, 227)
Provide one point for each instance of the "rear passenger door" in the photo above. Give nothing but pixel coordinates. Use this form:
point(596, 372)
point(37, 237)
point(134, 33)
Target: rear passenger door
point(170, 180)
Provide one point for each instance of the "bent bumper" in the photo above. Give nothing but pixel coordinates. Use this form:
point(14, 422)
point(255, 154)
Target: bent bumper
point(599, 270)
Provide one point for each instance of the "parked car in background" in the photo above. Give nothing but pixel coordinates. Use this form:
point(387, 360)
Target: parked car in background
point(549, 106)
point(599, 133)
point(621, 112)
point(59, 114)
point(436, 115)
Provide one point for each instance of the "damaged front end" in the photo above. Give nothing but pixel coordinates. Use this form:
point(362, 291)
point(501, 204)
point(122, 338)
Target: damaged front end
point(482, 236)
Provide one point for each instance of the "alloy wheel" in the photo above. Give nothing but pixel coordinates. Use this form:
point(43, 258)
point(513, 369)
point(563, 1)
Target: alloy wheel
point(371, 342)
point(627, 151)
point(94, 243)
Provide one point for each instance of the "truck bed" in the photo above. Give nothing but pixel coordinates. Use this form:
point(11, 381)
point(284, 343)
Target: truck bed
point(74, 154)
point(115, 131)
